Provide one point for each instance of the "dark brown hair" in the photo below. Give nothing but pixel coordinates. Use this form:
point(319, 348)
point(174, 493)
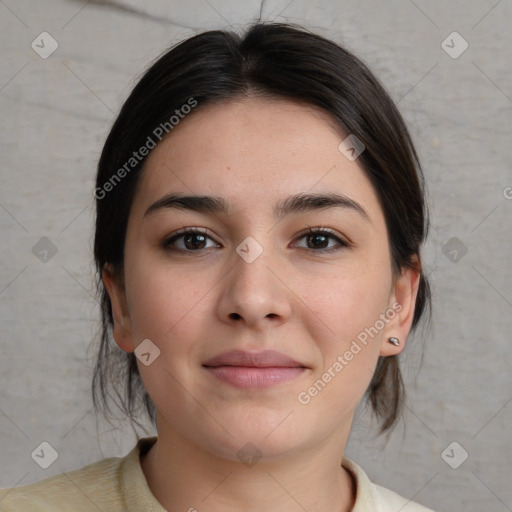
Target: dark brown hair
point(269, 59)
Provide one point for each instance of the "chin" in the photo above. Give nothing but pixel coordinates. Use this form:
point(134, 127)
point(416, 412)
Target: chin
point(259, 435)
point(249, 449)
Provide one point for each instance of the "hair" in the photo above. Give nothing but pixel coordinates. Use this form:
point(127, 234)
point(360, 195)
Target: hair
point(268, 60)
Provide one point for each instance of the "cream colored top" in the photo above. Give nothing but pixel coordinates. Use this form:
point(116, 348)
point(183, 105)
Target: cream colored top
point(119, 484)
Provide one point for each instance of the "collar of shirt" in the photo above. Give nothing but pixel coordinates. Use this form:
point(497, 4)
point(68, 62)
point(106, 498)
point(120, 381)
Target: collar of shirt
point(138, 495)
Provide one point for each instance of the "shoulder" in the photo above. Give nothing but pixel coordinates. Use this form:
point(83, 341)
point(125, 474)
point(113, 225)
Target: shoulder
point(115, 485)
point(391, 501)
point(93, 487)
point(370, 496)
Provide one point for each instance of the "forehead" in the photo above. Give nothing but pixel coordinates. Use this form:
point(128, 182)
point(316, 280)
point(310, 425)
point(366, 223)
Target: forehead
point(254, 151)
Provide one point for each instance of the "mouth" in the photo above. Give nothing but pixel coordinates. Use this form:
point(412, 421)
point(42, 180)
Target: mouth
point(254, 369)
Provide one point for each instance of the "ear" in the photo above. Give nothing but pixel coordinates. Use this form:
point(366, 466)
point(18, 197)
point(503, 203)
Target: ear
point(402, 302)
point(114, 284)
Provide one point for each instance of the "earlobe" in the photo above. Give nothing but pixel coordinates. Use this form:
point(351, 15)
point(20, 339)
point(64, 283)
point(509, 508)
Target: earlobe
point(122, 323)
point(403, 302)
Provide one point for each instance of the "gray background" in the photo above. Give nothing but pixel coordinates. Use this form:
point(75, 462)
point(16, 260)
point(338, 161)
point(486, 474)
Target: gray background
point(55, 115)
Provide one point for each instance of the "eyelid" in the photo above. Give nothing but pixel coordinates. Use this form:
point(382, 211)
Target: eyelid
point(341, 240)
point(183, 231)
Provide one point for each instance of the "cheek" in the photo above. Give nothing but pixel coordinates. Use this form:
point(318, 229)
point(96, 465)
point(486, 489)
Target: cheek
point(339, 308)
point(163, 299)
point(342, 316)
point(167, 307)
point(347, 353)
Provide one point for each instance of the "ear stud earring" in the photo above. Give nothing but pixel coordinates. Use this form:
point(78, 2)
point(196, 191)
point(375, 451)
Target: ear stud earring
point(394, 341)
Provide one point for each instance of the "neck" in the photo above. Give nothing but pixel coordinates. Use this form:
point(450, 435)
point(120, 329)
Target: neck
point(183, 477)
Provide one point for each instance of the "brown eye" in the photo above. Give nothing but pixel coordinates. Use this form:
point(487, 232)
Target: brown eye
point(191, 240)
point(317, 241)
point(322, 240)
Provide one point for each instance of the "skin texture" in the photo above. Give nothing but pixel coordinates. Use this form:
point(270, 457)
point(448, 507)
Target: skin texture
point(310, 306)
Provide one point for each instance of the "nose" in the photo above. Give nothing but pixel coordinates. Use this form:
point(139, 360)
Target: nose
point(254, 292)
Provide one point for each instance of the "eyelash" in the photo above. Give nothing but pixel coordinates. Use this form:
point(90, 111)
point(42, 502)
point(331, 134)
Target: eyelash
point(167, 244)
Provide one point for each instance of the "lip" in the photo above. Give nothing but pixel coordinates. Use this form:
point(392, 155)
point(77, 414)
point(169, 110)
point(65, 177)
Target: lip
point(263, 359)
point(254, 369)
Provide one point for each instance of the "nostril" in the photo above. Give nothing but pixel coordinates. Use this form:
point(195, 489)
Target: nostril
point(236, 316)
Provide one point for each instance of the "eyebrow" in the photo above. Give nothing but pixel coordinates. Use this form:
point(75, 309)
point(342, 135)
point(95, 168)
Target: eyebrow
point(298, 203)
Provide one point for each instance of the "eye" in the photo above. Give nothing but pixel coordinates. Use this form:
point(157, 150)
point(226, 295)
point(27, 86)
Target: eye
point(317, 240)
point(189, 240)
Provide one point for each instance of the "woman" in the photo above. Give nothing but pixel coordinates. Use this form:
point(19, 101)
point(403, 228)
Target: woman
point(260, 215)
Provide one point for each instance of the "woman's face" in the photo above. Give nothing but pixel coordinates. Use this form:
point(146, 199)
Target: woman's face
point(255, 279)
